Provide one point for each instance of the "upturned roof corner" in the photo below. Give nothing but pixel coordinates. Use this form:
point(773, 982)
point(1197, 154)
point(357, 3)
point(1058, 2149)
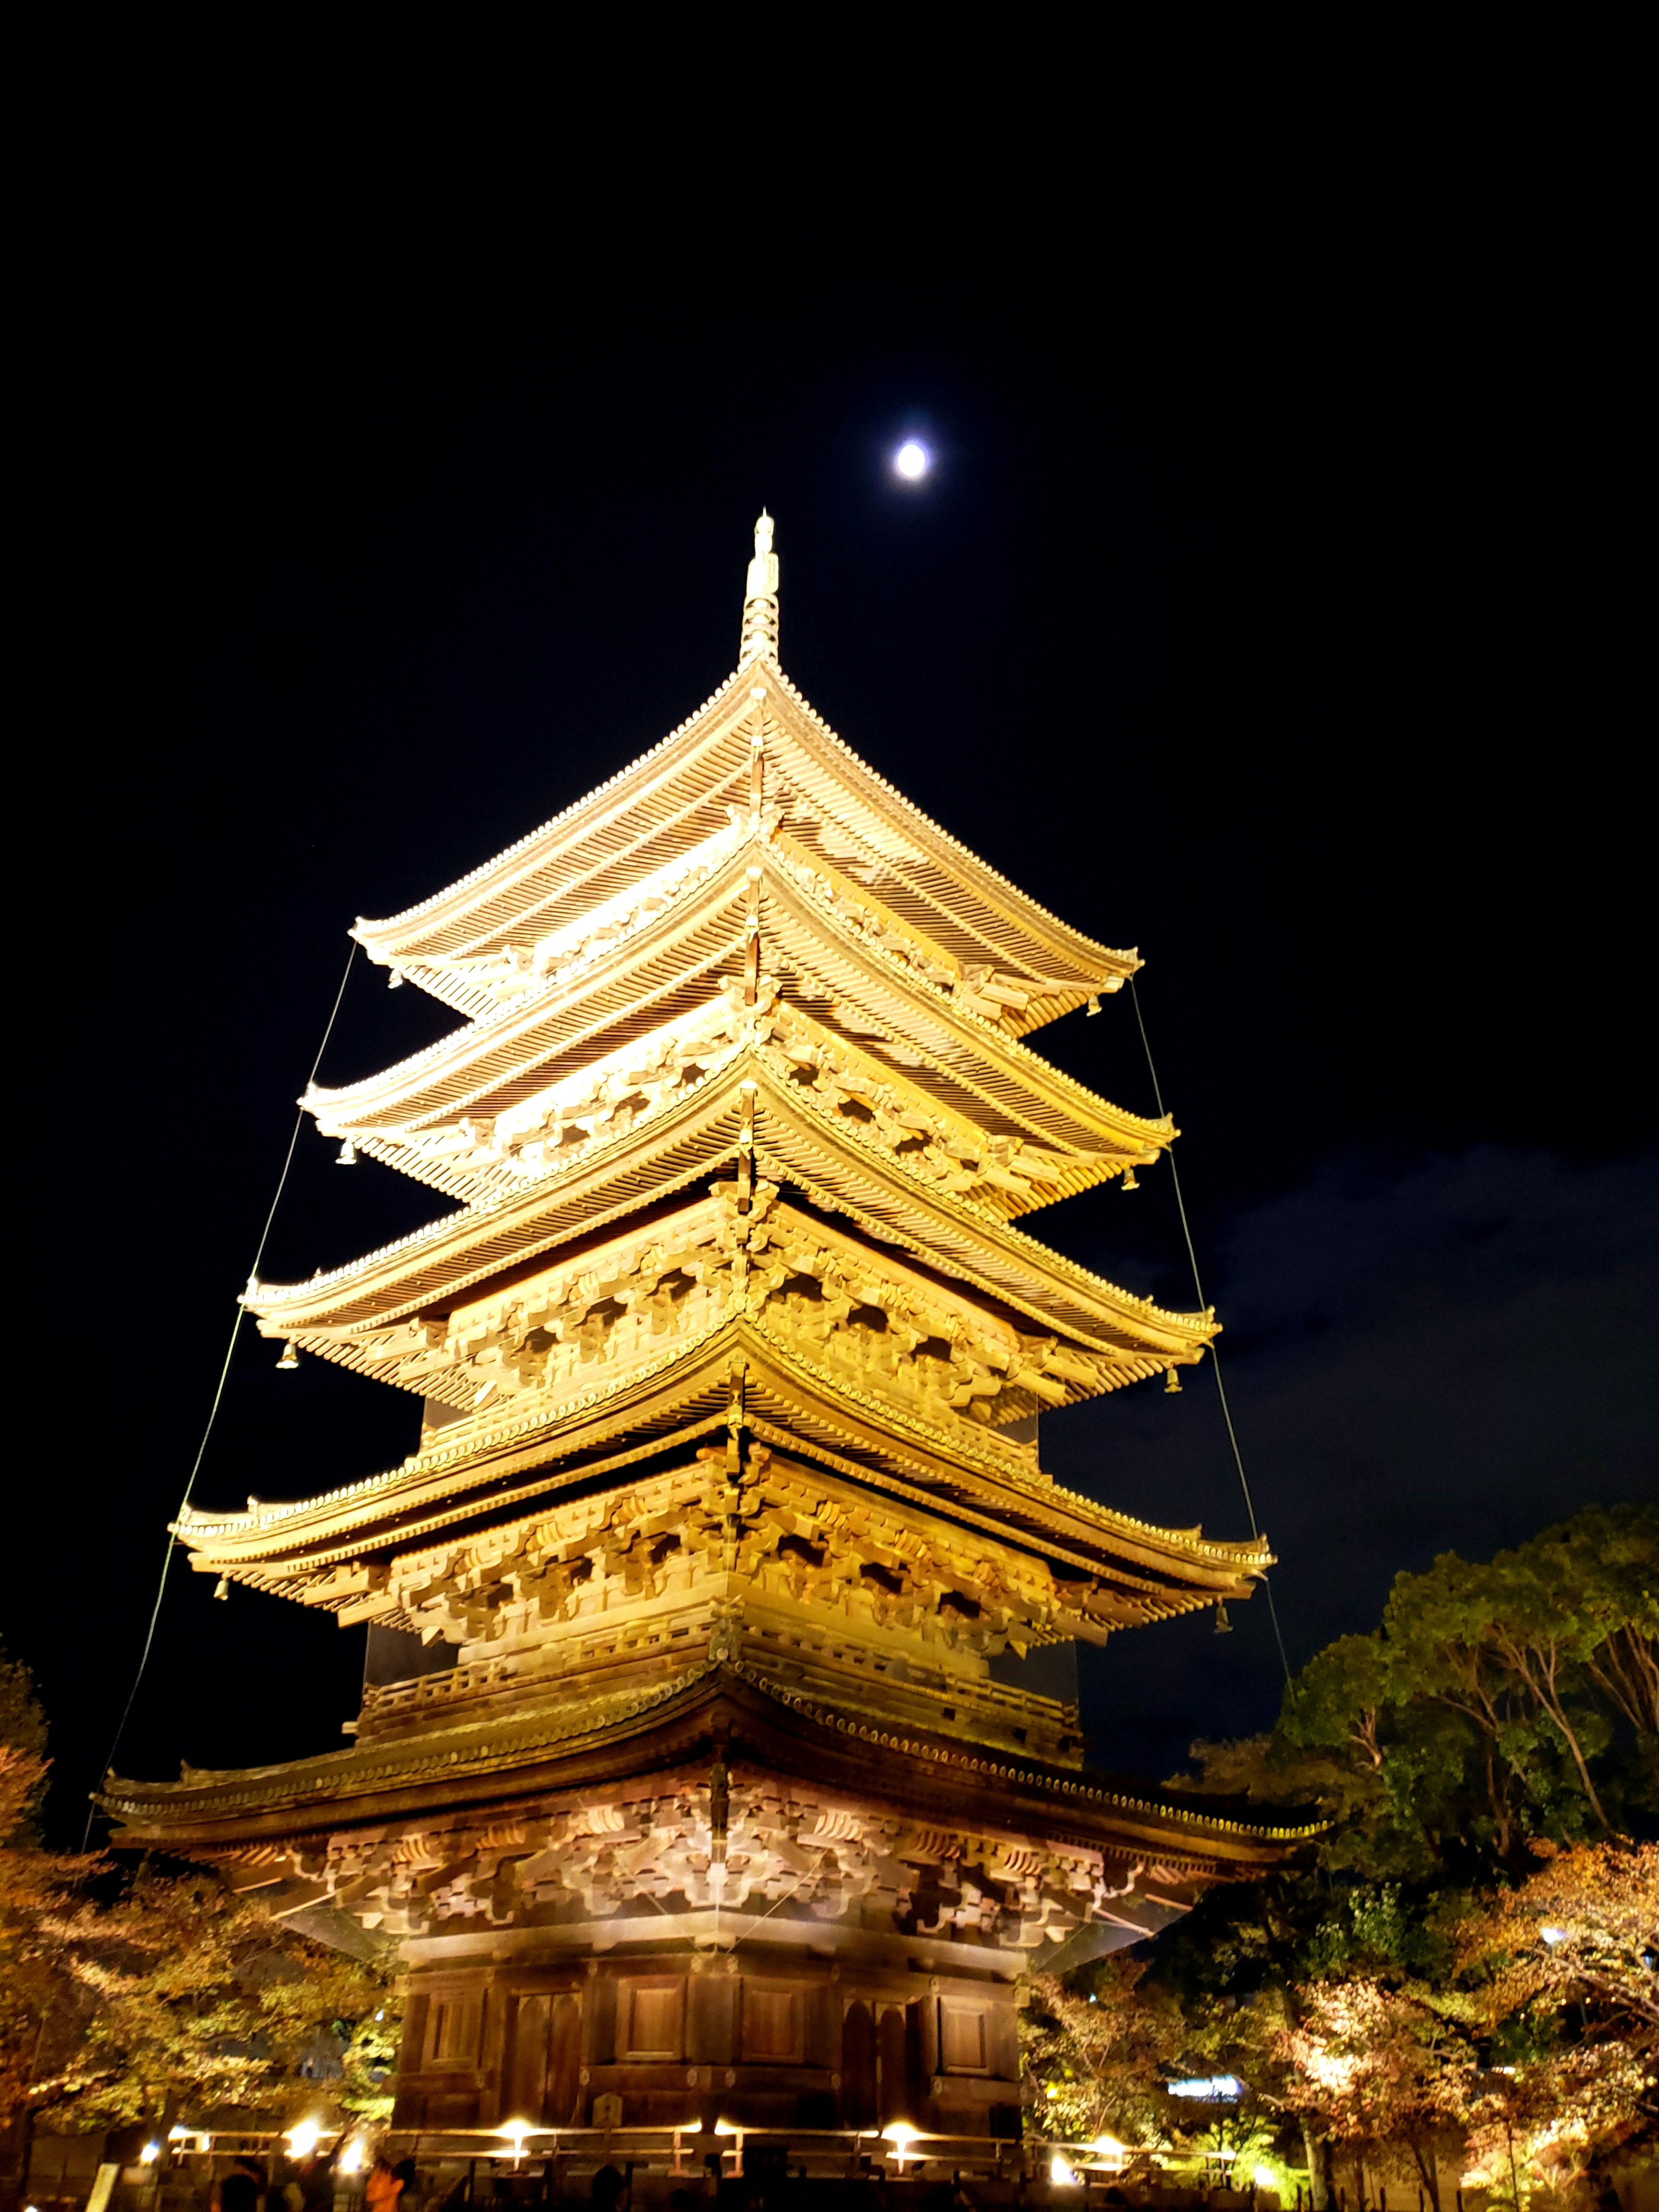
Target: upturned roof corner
point(727, 1508)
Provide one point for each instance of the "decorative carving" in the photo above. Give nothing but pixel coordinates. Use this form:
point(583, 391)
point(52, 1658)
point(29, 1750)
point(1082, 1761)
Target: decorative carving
point(847, 1305)
point(947, 1151)
point(554, 1128)
point(977, 986)
point(783, 1533)
point(560, 955)
point(730, 1670)
point(788, 1855)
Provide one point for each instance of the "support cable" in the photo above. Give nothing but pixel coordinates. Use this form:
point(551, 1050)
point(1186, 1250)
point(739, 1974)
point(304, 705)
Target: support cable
point(218, 1396)
point(1215, 1356)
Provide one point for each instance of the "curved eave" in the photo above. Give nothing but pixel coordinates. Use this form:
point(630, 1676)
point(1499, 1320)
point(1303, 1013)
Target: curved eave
point(485, 906)
point(769, 1728)
point(824, 1158)
point(661, 970)
point(1000, 902)
point(500, 1466)
point(474, 1182)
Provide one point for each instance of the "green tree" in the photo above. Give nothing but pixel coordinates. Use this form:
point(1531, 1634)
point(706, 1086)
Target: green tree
point(1498, 1709)
point(137, 1993)
point(1095, 2049)
point(1497, 1703)
point(200, 1999)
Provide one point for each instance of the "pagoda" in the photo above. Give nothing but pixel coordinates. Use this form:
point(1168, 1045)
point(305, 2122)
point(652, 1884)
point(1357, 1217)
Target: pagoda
point(718, 1750)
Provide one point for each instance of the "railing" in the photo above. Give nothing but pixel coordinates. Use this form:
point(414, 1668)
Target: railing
point(487, 2155)
point(538, 1666)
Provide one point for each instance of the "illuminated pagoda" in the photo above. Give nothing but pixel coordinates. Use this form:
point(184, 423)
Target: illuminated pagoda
point(718, 1750)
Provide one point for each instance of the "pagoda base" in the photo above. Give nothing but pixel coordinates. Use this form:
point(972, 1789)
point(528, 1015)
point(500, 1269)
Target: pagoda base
point(713, 1901)
point(776, 2029)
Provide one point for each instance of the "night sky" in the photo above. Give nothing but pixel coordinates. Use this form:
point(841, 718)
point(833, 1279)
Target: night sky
point(1270, 616)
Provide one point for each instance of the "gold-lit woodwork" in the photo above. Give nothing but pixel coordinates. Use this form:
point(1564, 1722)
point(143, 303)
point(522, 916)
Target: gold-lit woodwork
point(727, 1511)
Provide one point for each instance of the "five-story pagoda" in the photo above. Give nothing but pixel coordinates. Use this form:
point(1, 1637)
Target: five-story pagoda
point(713, 1754)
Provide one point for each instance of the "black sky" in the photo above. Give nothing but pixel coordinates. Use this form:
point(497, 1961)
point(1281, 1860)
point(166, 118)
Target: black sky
point(1269, 610)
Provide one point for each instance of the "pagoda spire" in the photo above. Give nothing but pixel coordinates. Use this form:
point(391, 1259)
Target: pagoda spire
point(760, 605)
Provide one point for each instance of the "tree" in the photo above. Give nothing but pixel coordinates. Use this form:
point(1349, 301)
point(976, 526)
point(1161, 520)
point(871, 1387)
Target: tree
point(23, 1732)
point(200, 2000)
point(135, 1992)
point(1095, 2049)
point(38, 2011)
point(1374, 2067)
point(1565, 1969)
point(1499, 1711)
point(1497, 1703)
point(33, 1886)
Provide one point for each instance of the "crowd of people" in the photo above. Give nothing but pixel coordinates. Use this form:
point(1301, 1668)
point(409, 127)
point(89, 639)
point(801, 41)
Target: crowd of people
point(309, 2184)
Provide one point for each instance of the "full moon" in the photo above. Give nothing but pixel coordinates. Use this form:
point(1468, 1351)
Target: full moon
point(911, 459)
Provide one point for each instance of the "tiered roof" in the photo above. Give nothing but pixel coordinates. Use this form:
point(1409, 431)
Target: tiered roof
point(740, 1114)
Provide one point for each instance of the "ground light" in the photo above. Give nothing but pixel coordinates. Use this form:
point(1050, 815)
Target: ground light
point(302, 2138)
point(516, 2131)
point(351, 2156)
point(901, 2135)
point(1061, 2170)
point(149, 2153)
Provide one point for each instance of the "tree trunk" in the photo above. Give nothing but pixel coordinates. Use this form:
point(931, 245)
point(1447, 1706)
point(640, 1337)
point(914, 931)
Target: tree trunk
point(1319, 2192)
point(1429, 2167)
point(1500, 1809)
point(17, 2140)
point(1544, 1692)
point(1556, 1712)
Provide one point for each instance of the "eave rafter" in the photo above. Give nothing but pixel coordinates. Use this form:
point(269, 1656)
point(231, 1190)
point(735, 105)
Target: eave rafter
point(644, 821)
point(497, 1468)
point(418, 1280)
point(602, 1744)
point(675, 962)
point(927, 1134)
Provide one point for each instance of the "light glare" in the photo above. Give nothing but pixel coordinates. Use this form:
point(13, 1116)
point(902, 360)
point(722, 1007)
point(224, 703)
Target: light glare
point(912, 460)
point(516, 2132)
point(1211, 2088)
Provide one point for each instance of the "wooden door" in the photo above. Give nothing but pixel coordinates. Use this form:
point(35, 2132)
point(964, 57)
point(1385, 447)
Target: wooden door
point(898, 2064)
point(564, 2061)
point(524, 2084)
point(858, 2066)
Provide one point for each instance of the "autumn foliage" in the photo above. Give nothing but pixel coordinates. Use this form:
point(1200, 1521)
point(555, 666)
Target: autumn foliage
point(1462, 1978)
point(150, 1992)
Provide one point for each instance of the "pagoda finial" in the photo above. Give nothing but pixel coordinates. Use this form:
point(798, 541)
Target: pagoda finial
point(760, 603)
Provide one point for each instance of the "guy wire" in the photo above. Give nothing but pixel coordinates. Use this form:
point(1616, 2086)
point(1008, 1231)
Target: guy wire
point(1215, 1356)
point(218, 1395)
